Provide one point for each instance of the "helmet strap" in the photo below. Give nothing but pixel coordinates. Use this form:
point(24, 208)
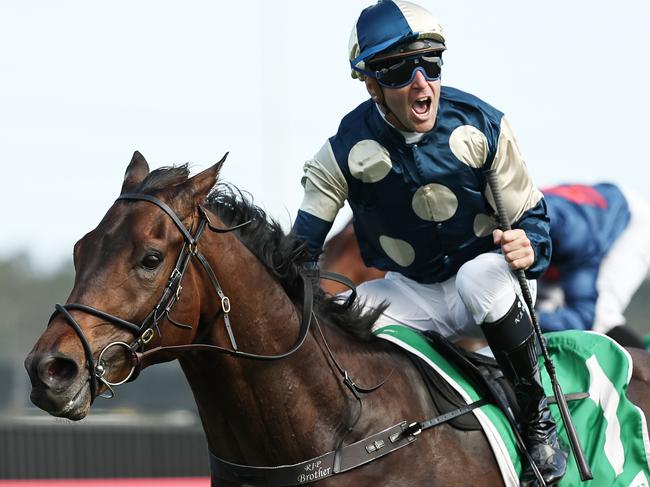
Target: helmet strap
point(395, 122)
point(377, 94)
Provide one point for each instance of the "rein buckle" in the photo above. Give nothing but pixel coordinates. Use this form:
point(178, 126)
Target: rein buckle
point(413, 429)
point(146, 336)
point(225, 304)
point(178, 295)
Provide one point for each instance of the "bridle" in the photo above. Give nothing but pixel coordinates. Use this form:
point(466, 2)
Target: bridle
point(145, 331)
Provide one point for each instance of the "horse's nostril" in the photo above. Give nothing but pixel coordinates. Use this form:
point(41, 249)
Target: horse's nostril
point(57, 370)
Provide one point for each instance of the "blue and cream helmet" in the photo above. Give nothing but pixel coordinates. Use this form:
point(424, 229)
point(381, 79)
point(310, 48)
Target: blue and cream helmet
point(387, 24)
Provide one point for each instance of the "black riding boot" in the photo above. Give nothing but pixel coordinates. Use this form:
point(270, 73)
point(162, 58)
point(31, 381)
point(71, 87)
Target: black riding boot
point(512, 341)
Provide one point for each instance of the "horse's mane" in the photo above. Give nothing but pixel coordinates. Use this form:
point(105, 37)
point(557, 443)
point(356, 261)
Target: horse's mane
point(284, 255)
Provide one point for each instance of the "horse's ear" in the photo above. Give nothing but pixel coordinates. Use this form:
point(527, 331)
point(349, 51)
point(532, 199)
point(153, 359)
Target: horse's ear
point(203, 182)
point(136, 171)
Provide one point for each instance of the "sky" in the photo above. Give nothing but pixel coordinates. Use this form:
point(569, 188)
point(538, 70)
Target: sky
point(85, 83)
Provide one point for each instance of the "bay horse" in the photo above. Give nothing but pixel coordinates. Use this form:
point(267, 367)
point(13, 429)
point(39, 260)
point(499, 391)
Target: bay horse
point(172, 273)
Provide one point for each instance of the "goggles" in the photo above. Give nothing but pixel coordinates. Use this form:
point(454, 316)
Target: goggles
point(403, 72)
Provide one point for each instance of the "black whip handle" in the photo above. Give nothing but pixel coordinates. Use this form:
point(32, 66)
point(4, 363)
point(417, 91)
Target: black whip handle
point(576, 448)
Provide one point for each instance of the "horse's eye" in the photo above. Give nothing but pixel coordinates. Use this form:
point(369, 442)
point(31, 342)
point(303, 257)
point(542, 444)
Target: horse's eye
point(151, 261)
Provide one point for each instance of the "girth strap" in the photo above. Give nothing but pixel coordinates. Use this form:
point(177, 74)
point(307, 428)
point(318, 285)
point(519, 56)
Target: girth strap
point(349, 457)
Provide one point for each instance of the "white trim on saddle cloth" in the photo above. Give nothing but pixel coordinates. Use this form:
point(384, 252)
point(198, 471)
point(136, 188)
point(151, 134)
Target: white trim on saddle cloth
point(612, 430)
point(396, 335)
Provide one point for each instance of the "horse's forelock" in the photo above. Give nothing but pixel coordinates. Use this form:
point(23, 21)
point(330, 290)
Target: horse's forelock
point(163, 178)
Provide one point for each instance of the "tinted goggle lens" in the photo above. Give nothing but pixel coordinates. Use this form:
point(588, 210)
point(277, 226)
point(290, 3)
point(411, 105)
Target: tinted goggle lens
point(402, 73)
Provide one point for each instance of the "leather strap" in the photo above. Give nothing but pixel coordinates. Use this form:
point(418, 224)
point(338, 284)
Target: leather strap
point(349, 457)
point(163, 206)
point(333, 276)
point(86, 346)
point(144, 359)
point(323, 466)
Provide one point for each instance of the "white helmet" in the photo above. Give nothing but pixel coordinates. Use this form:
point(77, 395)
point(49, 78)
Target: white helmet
point(387, 24)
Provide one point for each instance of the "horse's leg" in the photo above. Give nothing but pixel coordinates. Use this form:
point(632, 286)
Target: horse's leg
point(639, 390)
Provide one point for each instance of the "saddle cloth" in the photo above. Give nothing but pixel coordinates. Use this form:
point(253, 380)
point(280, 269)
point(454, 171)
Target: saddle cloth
point(612, 430)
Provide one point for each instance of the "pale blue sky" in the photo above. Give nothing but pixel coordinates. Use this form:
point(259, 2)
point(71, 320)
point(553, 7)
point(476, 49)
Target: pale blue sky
point(84, 83)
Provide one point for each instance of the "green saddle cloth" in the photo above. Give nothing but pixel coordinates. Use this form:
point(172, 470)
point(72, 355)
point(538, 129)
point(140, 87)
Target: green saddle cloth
point(613, 431)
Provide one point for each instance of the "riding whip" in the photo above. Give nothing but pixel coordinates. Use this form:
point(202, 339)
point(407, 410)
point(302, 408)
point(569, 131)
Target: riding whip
point(576, 448)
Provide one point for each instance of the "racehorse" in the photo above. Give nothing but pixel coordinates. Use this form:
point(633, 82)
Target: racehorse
point(211, 281)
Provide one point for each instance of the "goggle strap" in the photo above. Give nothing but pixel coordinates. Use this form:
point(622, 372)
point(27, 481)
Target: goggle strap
point(365, 72)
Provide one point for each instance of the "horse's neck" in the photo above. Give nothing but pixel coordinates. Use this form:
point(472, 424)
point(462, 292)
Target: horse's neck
point(244, 404)
point(262, 314)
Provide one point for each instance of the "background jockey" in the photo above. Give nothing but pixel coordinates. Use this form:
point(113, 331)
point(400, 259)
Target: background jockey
point(601, 255)
point(411, 161)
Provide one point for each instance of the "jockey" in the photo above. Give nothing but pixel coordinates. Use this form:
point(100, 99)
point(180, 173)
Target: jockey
point(410, 161)
point(601, 255)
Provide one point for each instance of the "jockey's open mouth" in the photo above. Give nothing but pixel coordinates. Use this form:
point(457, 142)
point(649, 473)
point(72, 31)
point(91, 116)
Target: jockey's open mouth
point(422, 105)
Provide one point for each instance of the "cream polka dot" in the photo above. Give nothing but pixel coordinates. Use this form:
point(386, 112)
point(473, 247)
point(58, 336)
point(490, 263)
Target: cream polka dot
point(398, 250)
point(469, 145)
point(434, 202)
point(369, 161)
point(484, 224)
point(490, 199)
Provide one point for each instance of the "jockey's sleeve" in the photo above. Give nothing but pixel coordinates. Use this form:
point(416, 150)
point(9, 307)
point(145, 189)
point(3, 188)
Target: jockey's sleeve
point(325, 193)
point(535, 223)
point(580, 295)
point(524, 203)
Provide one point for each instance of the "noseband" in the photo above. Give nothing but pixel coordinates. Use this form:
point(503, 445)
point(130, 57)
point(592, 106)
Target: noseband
point(145, 331)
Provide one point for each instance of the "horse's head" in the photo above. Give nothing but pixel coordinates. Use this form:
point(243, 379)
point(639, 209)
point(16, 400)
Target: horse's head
point(128, 274)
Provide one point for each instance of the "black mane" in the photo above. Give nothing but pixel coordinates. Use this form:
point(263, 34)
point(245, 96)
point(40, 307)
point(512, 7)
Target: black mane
point(284, 256)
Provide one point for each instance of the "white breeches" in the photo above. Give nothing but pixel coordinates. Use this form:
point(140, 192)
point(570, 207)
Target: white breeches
point(483, 290)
